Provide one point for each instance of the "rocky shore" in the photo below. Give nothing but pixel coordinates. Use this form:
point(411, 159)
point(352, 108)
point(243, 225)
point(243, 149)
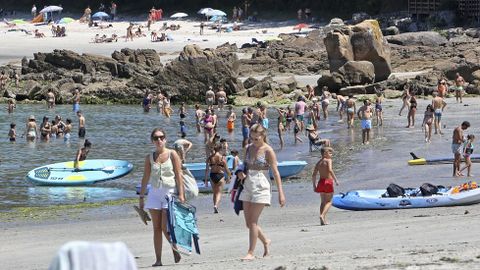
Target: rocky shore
point(128, 74)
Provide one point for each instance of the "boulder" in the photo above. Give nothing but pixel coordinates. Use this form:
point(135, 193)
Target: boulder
point(250, 82)
point(426, 38)
point(357, 72)
point(362, 42)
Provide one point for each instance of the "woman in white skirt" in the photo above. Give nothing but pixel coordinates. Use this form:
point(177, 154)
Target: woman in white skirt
point(256, 194)
point(163, 169)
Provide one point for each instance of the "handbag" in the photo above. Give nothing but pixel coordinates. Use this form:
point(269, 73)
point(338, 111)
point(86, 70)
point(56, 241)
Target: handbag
point(190, 187)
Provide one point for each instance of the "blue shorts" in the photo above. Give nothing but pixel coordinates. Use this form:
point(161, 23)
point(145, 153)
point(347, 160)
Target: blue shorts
point(366, 124)
point(76, 107)
point(438, 114)
point(245, 132)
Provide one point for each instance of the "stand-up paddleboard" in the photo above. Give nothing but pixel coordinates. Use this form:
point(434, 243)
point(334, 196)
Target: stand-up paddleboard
point(89, 172)
point(475, 158)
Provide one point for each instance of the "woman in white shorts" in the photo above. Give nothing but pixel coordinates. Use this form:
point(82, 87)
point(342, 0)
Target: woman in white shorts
point(163, 169)
point(260, 158)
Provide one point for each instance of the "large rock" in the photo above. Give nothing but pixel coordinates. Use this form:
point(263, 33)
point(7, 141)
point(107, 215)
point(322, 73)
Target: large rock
point(357, 72)
point(189, 76)
point(418, 39)
point(361, 42)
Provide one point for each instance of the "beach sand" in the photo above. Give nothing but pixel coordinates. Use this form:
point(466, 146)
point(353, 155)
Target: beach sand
point(437, 238)
point(16, 45)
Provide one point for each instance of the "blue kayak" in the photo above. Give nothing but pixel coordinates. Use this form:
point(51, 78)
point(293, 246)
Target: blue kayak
point(90, 171)
point(285, 168)
point(373, 200)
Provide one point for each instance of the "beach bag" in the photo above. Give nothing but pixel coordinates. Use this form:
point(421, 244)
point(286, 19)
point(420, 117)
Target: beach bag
point(394, 190)
point(190, 187)
point(428, 189)
point(237, 203)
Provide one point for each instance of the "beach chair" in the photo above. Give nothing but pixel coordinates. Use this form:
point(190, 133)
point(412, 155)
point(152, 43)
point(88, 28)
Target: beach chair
point(94, 256)
point(317, 143)
point(182, 226)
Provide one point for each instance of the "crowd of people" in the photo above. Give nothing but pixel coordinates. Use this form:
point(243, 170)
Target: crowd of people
point(163, 168)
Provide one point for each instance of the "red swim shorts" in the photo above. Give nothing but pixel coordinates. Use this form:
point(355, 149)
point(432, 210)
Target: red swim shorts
point(324, 186)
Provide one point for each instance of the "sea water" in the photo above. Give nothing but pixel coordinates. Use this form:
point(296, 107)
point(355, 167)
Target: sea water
point(123, 132)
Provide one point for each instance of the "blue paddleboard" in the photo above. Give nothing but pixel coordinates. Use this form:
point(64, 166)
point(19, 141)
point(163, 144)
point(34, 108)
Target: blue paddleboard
point(89, 172)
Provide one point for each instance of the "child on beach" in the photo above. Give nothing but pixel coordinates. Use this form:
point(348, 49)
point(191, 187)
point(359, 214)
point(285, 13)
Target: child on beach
point(12, 134)
point(467, 151)
point(325, 184)
point(236, 159)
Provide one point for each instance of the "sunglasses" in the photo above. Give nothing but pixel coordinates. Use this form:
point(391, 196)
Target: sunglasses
point(161, 137)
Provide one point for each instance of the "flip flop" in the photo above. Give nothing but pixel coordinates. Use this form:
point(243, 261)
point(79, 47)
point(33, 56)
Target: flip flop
point(143, 215)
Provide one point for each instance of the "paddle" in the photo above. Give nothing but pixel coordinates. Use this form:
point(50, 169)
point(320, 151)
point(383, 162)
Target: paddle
point(108, 169)
point(414, 156)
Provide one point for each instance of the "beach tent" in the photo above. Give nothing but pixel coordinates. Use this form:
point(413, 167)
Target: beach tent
point(100, 15)
point(65, 20)
point(179, 15)
point(215, 12)
point(38, 19)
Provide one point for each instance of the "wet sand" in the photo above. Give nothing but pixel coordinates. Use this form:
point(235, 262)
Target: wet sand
point(437, 238)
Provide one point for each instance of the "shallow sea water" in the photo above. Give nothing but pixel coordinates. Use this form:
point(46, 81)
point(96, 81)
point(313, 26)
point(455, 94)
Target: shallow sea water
point(122, 132)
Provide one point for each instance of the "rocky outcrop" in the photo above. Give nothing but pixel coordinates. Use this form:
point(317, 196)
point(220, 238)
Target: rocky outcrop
point(361, 42)
point(127, 75)
point(418, 39)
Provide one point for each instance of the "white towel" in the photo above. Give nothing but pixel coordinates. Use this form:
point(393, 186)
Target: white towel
point(81, 255)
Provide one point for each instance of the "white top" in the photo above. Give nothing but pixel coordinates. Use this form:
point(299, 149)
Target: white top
point(162, 175)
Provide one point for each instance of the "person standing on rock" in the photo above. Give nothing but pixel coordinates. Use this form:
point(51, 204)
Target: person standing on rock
point(438, 104)
point(365, 115)
point(221, 98)
point(459, 87)
point(457, 144)
point(76, 101)
point(442, 88)
point(210, 98)
point(351, 110)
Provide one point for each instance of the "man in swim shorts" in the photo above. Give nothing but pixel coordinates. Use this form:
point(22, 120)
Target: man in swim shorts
point(324, 186)
point(457, 143)
point(76, 101)
point(459, 87)
point(210, 97)
point(300, 106)
point(246, 121)
point(351, 110)
point(365, 115)
point(438, 104)
point(81, 125)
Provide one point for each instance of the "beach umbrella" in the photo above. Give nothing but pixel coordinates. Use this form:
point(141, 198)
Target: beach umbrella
point(51, 9)
point(179, 15)
point(215, 12)
point(204, 10)
point(100, 15)
point(66, 20)
point(300, 26)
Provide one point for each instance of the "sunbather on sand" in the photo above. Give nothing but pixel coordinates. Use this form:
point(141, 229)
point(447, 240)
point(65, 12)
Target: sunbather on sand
point(111, 39)
point(9, 24)
point(38, 34)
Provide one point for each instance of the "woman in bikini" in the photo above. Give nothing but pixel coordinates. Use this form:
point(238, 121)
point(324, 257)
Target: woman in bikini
point(405, 99)
point(208, 125)
point(163, 169)
point(427, 122)
point(256, 194)
point(45, 129)
point(281, 123)
point(411, 112)
point(217, 166)
point(31, 129)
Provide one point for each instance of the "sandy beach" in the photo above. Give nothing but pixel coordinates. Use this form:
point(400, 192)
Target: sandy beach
point(437, 238)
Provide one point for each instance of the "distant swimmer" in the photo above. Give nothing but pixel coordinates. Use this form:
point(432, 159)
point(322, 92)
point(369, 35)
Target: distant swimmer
point(31, 129)
point(210, 98)
point(11, 106)
point(351, 110)
point(221, 98)
point(82, 154)
point(199, 115)
point(67, 130)
point(50, 99)
point(147, 102)
point(231, 117)
point(76, 100)
point(81, 125)
point(442, 88)
point(12, 133)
